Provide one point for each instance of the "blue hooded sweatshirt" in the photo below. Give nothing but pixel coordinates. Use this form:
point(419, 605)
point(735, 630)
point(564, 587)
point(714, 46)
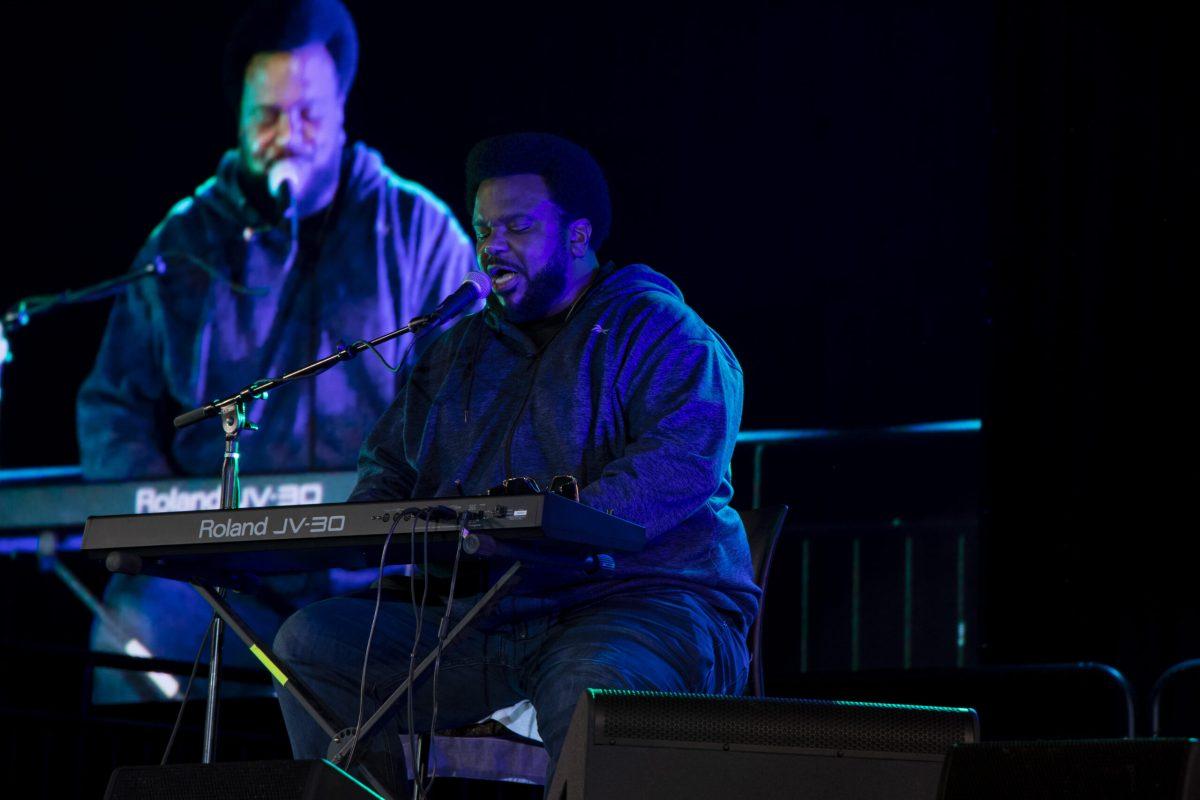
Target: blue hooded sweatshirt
point(635, 396)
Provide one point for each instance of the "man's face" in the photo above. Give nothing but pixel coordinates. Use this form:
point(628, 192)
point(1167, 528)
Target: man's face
point(523, 243)
point(292, 115)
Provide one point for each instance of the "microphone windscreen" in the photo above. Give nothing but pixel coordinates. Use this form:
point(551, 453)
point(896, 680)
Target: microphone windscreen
point(481, 282)
point(280, 173)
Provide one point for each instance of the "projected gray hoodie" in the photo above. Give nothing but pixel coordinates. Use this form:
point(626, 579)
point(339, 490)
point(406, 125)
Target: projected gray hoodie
point(635, 396)
point(234, 307)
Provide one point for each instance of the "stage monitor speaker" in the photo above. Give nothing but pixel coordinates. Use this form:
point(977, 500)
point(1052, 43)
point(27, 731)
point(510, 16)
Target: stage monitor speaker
point(1096, 769)
point(625, 745)
point(237, 780)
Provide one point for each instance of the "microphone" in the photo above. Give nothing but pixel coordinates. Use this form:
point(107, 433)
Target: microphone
point(475, 287)
point(282, 178)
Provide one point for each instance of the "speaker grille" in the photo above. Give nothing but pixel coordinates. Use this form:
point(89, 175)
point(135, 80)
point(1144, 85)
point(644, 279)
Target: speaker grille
point(780, 722)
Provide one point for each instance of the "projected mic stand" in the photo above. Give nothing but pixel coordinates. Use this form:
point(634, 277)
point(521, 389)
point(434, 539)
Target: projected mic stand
point(18, 316)
point(21, 312)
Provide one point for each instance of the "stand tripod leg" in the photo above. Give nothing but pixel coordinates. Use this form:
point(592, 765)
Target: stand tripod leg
point(214, 688)
point(233, 422)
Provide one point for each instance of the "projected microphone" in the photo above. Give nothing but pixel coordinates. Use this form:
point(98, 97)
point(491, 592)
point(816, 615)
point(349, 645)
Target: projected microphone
point(282, 179)
point(475, 287)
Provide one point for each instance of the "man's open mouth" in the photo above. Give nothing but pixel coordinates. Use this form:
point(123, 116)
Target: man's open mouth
point(502, 277)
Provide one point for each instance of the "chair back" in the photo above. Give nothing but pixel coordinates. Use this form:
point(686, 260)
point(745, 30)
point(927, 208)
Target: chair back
point(763, 526)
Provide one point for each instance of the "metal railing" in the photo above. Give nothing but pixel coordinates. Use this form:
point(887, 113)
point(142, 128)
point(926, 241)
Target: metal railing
point(762, 439)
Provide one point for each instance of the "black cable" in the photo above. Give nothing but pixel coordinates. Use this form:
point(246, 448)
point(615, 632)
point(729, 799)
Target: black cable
point(412, 340)
point(362, 683)
point(419, 618)
point(187, 690)
point(216, 274)
point(313, 372)
point(443, 629)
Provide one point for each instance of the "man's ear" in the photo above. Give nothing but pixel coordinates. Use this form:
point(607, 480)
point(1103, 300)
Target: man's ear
point(579, 236)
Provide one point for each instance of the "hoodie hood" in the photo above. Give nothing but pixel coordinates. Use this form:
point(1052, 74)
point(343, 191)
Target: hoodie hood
point(612, 283)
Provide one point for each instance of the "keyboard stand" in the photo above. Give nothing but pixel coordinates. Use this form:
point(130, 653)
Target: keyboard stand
point(343, 740)
point(567, 543)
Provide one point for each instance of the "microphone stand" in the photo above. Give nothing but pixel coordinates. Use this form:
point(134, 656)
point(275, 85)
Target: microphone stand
point(232, 411)
point(21, 312)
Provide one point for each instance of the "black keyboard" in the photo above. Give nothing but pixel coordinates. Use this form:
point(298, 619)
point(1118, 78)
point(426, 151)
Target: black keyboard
point(232, 547)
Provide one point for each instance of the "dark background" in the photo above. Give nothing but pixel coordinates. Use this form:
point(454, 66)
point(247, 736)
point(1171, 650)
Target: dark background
point(894, 212)
point(815, 181)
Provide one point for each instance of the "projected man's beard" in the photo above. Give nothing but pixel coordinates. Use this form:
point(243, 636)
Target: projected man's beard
point(316, 178)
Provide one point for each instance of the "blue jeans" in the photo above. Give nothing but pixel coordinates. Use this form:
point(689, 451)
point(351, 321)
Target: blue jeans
point(668, 640)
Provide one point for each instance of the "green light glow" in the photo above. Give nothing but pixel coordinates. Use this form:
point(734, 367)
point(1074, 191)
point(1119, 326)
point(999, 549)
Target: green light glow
point(365, 788)
point(597, 693)
point(860, 704)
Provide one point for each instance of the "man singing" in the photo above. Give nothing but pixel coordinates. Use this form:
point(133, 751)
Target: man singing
point(299, 241)
point(573, 368)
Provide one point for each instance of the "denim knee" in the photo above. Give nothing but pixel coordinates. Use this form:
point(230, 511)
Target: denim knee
point(290, 636)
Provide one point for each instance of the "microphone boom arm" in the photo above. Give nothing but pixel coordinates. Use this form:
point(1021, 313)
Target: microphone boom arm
point(260, 388)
